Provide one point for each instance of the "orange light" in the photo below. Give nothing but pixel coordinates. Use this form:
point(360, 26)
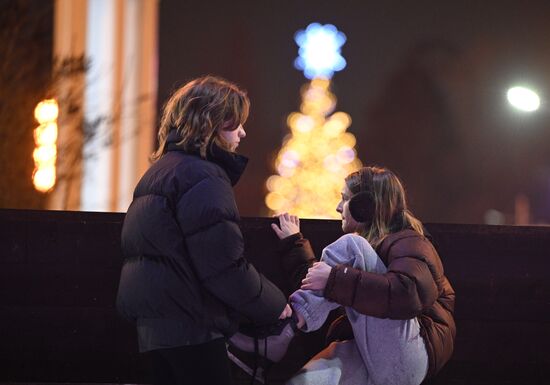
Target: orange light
point(46, 111)
point(45, 152)
point(315, 158)
point(46, 134)
point(44, 178)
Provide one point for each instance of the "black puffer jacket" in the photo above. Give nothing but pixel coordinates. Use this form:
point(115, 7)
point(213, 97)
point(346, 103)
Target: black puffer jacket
point(184, 279)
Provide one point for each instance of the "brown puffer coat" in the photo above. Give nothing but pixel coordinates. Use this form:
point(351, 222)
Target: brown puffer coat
point(414, 286)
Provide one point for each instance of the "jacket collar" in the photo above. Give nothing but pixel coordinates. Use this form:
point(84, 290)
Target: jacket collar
point(232, 163)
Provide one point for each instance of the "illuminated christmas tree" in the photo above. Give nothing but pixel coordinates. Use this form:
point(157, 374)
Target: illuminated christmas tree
point(318, 153)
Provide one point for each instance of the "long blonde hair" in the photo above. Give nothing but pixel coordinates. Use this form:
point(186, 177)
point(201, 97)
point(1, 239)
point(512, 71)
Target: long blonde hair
point(390, 211)
point(199, 110)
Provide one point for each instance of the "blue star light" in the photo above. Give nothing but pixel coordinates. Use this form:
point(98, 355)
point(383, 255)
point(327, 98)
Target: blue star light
point(319, 53)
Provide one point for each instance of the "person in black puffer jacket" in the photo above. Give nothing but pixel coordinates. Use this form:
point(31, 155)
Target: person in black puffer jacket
point(184, 281)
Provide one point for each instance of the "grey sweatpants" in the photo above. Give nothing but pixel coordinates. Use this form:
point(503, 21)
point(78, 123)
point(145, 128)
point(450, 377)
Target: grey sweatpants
point(384, 351)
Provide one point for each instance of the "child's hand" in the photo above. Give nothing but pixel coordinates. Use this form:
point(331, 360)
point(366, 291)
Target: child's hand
point(290, 225)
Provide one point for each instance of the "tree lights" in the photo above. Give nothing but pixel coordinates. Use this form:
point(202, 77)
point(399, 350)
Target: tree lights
point(319, 54)
point(318, 153)
point(45, 152)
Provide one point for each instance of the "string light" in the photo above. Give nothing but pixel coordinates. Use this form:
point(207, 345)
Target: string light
point(45, 138)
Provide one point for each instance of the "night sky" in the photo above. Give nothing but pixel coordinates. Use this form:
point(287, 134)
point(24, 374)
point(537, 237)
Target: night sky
point(425, 86)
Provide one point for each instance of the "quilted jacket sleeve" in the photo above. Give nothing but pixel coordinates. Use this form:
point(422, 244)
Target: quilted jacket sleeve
point(208, 218)
point(296, 258)
point(401, 293)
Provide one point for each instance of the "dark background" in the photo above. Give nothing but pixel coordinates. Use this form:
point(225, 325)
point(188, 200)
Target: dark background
point(425, 86)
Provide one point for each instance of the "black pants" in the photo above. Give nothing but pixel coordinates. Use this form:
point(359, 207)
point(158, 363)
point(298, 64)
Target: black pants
point(192, 365)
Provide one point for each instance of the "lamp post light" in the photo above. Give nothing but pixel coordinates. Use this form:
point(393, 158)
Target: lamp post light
point(523, 99)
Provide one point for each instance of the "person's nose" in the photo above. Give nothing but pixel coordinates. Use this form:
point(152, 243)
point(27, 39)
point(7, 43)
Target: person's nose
point(339, 207)
point(242, 132)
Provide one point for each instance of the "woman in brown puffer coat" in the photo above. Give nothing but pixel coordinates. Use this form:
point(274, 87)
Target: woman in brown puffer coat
point(389, 278)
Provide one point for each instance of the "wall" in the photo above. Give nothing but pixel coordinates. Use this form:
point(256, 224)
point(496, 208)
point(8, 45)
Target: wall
point(59, 274)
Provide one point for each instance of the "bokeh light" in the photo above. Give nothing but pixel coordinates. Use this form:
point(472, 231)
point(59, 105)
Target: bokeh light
point(524, 99)
point(319, 53)
point(45, 152)
point(314, 159)
point(318, 153)
point(46, 111)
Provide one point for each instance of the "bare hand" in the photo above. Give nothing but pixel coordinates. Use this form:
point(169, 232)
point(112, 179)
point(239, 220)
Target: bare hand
point(317, 277)
point(290, 225)
point(287, 312)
